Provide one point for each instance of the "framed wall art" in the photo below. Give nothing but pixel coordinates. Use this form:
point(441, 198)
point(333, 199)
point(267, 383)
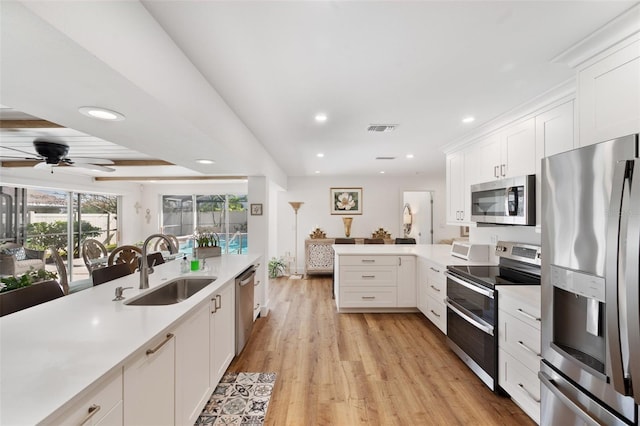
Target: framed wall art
point(347, 201)
point(256, 209)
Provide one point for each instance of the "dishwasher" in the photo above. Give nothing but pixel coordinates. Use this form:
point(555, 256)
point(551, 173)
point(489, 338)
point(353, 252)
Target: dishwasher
point(244, 306)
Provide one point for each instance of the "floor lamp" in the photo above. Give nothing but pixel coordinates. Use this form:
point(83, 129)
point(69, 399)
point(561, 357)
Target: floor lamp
point(296, 206)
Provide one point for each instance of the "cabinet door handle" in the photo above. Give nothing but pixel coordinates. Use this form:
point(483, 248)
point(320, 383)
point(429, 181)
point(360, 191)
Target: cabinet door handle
point(528, 315)
point(532, 396)
point(503, 168)
point(528, 349)
point(218, 302)
point(157, 348)
point(368, 297)
point(495, 172)
point(399, 261)
point(368, 276)
point(434, 269)
point(436, 314)
point(368, 260)
point(92, 411)
point(435, 288)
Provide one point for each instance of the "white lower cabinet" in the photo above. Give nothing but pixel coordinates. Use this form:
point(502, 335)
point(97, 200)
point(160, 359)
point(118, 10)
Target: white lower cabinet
point(378, 282)
point(101, 406)
point(149, 384)
point(519, 346)
point(432, 289)
point(193, 388)
point(222, 333)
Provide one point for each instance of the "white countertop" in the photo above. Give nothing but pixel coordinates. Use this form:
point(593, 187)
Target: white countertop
point(439, 253)
point(51, 352)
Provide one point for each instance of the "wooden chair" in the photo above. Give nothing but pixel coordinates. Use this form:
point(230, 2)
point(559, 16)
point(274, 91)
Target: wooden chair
point(91, 251)
point(405, 240)
point(126, 254)
point(63, 279)
point(161, 244)
point(26, 297)
point(110, 273)
point(344, 241)
point(373, 241)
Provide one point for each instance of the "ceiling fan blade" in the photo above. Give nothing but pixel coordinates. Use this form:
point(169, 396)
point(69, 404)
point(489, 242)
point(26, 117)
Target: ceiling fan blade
point(87, 160)
point(95, 167)
point(31, 155)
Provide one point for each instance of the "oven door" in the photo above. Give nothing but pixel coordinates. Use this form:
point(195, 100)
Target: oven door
point(471, 318)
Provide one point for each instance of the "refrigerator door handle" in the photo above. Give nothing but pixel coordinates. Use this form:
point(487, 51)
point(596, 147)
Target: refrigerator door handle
point(632, 299)
point(614, 271)
point(566, 400)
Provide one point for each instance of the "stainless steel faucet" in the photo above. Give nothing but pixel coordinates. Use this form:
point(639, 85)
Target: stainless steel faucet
point(145, 270)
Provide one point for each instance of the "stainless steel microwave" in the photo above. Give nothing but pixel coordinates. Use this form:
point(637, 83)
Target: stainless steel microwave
point(506, 202)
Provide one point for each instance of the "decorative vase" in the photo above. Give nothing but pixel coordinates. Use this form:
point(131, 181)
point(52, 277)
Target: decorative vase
point(347, 225)
point(205, 252)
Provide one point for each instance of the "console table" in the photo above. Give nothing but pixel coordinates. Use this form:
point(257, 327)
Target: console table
point(318, 254)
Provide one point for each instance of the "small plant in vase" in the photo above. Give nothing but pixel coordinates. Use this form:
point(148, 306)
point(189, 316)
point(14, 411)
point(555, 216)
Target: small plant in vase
point(206, 244)
point(276, 267)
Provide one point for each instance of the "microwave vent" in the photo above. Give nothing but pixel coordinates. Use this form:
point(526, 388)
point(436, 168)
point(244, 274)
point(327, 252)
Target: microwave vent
point(381, 128)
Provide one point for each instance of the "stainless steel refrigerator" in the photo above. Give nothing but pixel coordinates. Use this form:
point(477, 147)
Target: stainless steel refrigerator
point(590, 368)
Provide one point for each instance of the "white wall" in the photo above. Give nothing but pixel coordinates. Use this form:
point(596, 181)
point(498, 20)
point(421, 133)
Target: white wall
point(382, 202)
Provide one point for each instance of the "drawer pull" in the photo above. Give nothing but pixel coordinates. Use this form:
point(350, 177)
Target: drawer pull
point(218, 302)
point(157, 348)
point(92, 411)
point(435, 288)
point(528, 315)
point(368, 260)
point(436, 314)
point(368, 276)
point(434, 269)
point(528, 349)
point(368, 297)
point(532, 396)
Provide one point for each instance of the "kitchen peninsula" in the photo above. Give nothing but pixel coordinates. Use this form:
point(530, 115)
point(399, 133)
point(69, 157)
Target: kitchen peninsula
point(54, 354)
point(391, 277)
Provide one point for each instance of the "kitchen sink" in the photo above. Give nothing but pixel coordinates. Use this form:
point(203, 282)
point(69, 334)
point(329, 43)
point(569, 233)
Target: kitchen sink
point(173, 292)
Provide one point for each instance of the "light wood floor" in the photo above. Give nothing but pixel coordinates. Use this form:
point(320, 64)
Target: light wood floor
point(362, 369)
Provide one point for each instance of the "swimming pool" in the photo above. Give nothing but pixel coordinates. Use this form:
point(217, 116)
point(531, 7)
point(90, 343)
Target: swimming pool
point(237, 241)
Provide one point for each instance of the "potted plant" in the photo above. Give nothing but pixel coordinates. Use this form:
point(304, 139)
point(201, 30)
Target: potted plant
point(206, 244)
point(31, 277)
point(276, 267)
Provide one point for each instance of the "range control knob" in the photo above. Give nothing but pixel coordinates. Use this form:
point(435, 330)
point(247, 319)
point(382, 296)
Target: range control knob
point(501, 249)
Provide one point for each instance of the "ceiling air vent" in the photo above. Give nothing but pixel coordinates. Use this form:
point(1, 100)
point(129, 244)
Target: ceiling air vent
point(381, 127)
point(385, 158)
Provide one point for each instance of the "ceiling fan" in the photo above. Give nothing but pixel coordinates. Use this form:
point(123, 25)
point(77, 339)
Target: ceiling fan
point(52, 153)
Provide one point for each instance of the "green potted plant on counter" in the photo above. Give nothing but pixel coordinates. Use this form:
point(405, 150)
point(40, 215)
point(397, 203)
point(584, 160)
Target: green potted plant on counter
point(206, 244)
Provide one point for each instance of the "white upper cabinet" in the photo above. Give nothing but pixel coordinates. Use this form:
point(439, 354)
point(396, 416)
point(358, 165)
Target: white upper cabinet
point(458, 196)
point(609, 94)
point(518, 150)
point(554, 131)
point(486, 155)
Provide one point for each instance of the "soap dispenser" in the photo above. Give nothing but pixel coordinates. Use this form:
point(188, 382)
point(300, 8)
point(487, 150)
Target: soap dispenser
point(184, 265)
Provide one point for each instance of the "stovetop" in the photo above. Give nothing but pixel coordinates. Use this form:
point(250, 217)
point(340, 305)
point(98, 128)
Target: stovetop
point(490, 276)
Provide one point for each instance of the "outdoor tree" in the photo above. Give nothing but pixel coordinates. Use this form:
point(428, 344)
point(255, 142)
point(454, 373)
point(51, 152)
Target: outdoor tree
point(42, 235)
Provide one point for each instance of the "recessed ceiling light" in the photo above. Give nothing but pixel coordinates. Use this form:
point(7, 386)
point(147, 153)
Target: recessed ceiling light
point(468, 119)
point(321, 117)
point(101, 113)
point(205, 161)
point(319, 155)
point(409, 155)
point(382, 172)
point(317, 172)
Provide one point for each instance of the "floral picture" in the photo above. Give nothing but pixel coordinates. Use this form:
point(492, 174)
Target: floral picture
point(346, 200)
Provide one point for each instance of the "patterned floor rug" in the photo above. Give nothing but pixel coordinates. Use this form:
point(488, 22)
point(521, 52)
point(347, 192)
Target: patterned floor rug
point(239, 399)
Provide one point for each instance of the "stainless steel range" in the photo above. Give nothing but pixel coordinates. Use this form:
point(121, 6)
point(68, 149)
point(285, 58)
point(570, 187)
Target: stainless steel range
point(472, 305)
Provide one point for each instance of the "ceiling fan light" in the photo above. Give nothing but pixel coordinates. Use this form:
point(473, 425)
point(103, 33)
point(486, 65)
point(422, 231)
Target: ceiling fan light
point(101, 113)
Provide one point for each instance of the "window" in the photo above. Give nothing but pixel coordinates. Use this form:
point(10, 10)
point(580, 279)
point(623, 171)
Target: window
point(224, 214)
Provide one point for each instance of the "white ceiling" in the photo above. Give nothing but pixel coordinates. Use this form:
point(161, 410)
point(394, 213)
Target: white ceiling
point(241, 81)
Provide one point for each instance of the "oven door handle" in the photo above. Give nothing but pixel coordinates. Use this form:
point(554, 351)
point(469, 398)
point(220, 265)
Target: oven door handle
point(472, 287)
point(486, 328)
point(567, 401)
